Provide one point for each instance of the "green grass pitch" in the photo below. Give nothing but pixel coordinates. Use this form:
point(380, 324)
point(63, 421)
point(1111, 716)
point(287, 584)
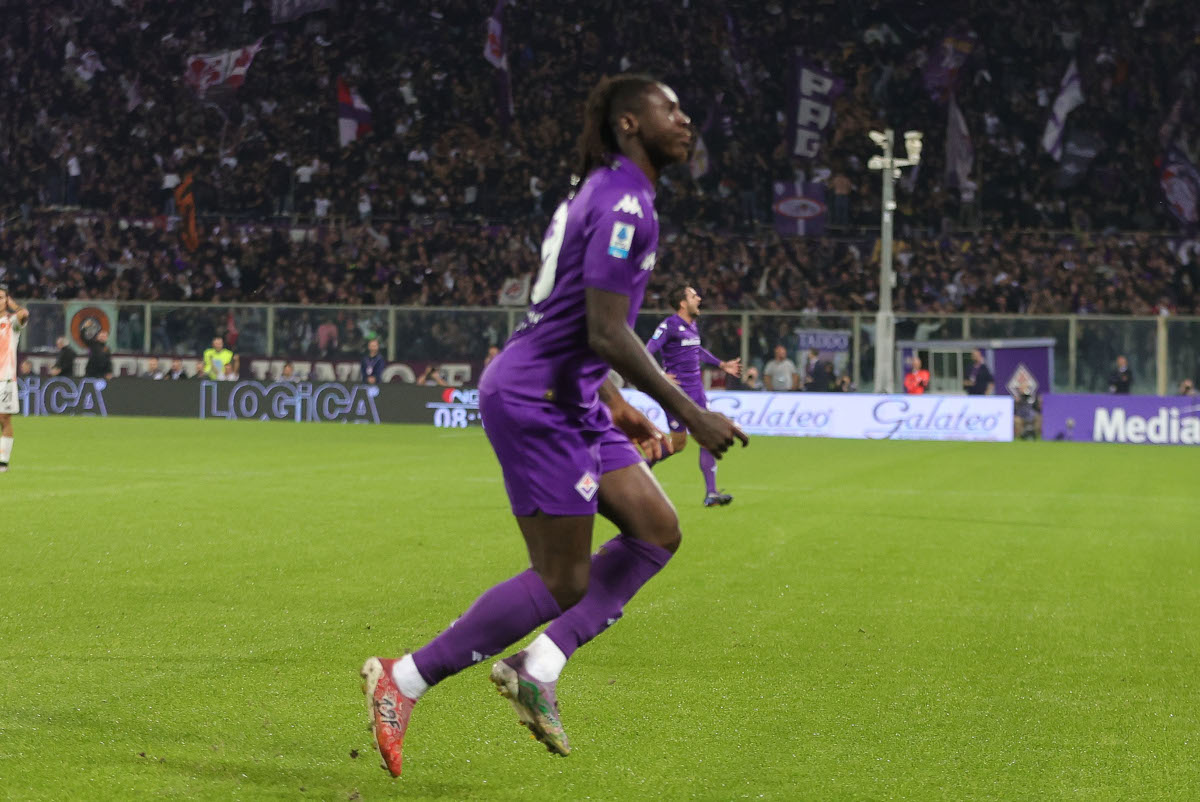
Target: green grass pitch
point(184, 607)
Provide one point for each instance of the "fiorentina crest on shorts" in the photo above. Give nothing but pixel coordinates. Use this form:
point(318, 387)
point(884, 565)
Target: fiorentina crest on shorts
point(587, 486)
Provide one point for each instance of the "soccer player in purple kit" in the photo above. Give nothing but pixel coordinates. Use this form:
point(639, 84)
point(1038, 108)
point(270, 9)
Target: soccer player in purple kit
point(678, 340)
point(564, 435)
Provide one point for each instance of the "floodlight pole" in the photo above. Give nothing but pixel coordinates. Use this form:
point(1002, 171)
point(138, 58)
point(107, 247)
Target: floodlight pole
point(885, 321)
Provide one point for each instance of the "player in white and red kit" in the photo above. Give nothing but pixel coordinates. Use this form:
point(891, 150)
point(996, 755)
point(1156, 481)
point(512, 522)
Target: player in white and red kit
point(12, 319)
point(677, 339)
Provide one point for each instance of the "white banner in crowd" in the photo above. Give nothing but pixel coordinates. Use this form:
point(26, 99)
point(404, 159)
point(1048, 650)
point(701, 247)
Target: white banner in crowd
point(815, 91)
point(215, 69)
point(1069, 98)
point(856, 416)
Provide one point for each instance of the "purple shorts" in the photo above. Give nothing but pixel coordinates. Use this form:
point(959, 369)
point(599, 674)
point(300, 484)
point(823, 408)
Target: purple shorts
point(552, 461)
point(676, 427)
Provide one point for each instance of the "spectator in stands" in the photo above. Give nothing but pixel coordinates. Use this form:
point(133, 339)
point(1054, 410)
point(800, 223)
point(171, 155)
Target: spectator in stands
point(811, 375)
point(750, 381)
point(373, 364)
point(152, 370)
point(432, 377)
point(287, 373)
point(99, 363)
point(916, 381)
point(780, 374)
point(216, 358)
point(979, 379)
point(25, 369)
point(199, 371)
point(1027, 413)
point(492, 352)
point(176, 372)
point(1121, 379)
point(826, 379)
point(842, 188)
point(845, 384)
point(64, 363)
point(327, 338)
point(1187, 387)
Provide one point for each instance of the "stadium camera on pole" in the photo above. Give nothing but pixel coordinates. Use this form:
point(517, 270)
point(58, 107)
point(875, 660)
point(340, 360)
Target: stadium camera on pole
point(885, 321)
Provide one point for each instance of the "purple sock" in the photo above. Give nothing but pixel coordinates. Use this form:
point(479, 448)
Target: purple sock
point(503, 614)
point(708, 467)
point(619, 569)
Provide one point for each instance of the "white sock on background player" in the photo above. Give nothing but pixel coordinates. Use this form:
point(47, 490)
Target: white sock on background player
point(5, 448)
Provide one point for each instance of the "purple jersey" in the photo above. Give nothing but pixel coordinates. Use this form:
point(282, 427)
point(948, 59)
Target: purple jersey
point(679, 343)
point(605, 237)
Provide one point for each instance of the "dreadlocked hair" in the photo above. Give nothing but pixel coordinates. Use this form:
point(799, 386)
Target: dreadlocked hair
point(612, 96)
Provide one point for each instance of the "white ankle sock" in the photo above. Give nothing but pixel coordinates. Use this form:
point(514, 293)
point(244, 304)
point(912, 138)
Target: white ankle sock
point(408, 679)
point(544, 660)
point(5, 448)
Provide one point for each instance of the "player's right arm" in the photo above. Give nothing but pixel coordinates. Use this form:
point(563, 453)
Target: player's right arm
point(656, 343)
point(22, 314)
point(610, 336)
point(658, 339)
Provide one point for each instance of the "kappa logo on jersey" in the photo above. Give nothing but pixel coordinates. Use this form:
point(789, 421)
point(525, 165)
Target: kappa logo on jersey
point(587, 486)
point(629, 205)
point(621, 241)
point(648, 262)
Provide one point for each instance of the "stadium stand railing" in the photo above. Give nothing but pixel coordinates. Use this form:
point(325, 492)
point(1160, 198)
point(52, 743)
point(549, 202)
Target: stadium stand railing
point(1163, 350)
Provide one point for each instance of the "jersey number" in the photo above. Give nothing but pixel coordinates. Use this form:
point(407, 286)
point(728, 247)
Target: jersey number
point(544, 284)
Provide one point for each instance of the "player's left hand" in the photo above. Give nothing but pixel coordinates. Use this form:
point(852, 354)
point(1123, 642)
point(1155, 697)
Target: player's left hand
point(644, 434)
point(733, 367)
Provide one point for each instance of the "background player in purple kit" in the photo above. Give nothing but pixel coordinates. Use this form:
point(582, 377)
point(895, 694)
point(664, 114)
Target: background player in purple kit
point(562, 432)
point(678, 340)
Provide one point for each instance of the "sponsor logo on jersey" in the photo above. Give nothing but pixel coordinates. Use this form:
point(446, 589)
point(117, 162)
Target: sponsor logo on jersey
point(621, 241)
point(648, 262)
point(629, 205)
point(690, 341)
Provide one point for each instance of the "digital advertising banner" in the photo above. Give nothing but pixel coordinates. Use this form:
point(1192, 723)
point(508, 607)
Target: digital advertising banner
point(847, 415)
point(301, 402)
point(1139, 419)
point(856, 416)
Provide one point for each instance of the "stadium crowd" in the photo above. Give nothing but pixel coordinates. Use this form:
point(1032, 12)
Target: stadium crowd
point(444, 265)
point(447, 196)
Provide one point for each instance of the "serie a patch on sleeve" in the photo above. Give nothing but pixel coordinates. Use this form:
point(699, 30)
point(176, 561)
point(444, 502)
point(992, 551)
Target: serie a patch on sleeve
point(621, 241)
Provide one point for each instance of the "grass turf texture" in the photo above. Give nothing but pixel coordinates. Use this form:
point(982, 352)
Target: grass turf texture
point(185, 606)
